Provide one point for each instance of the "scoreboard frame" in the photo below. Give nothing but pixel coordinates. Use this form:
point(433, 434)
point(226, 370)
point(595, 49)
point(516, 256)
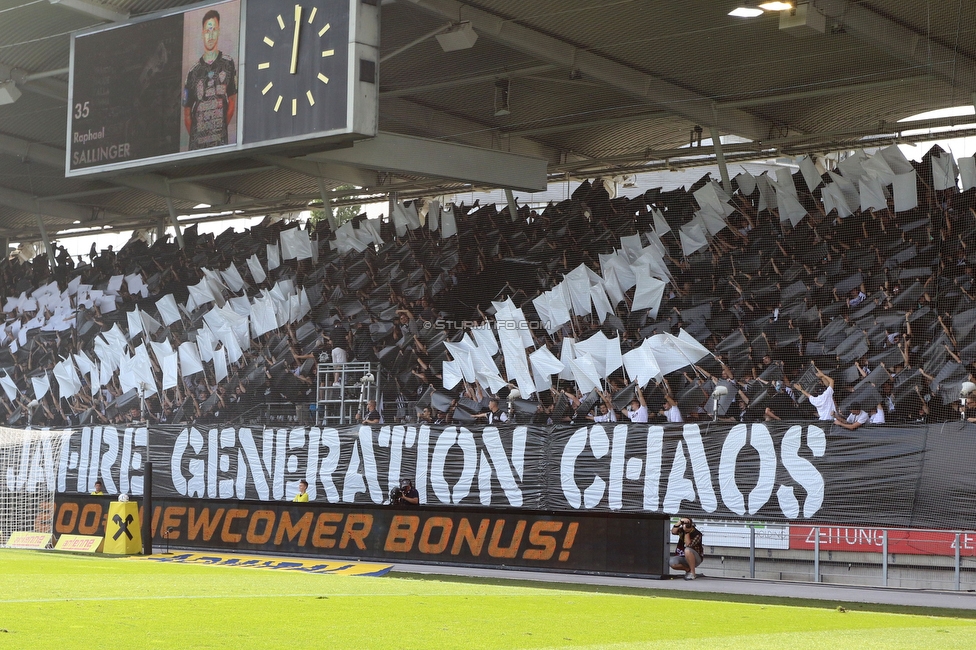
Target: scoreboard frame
point(335, 110)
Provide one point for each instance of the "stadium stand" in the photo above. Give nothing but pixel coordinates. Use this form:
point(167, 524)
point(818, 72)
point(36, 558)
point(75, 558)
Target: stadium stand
point(858, 278)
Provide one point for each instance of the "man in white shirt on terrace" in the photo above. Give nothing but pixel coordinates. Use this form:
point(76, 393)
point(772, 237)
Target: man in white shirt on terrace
point(856, 419)
point(339, 357)
point(670, 411)
point(877, 414)
point(637, 411)
point(605, 411)
point(824, 402)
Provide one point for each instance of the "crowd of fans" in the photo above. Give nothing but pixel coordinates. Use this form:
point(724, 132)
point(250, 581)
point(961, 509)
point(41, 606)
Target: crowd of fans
point(864, 315)
point(860, 318)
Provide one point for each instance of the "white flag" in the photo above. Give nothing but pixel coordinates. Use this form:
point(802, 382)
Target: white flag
point(41, 386)
point(190, 359)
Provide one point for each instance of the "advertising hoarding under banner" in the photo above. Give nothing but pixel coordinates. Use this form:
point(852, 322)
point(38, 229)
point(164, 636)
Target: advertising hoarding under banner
point(897, 476)
point(871, 540)
point(733, 534)
point(585, 541)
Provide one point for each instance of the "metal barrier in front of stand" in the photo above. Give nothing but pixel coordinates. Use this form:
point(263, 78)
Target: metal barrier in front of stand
point(858, 556)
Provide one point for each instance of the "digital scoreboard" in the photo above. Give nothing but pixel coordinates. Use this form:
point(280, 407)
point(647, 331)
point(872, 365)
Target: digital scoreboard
point(220, 78)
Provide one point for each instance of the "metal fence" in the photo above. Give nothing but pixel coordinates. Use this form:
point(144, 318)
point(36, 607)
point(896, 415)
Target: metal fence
point(845, 555)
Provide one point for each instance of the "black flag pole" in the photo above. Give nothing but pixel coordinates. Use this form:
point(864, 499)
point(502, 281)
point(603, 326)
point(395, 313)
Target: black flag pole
point(147, 509)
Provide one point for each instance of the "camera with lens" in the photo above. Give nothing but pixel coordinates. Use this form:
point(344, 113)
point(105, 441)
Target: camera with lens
point(396, 496)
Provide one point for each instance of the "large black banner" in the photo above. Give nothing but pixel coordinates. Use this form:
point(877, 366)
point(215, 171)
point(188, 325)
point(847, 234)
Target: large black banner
point(494, 537)
point(883, 475)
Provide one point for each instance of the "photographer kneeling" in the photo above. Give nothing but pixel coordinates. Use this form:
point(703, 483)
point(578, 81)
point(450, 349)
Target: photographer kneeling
point(689, 552)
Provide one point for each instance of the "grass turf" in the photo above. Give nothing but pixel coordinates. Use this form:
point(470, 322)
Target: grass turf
point(58, 601)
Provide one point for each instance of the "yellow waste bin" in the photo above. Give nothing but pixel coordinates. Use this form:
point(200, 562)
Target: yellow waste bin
point(123, 535)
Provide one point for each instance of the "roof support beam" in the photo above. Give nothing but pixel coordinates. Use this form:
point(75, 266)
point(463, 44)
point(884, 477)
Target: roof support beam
point(327, 204)
point(738, 103)
point(467, 81)
point(575, 126)
point(46, 240)
point(901, 42)
point(162, 186)
point(438, 124)
point(60, 72)
point(27, 203)
point(324, 170)
point(175, 221)
point(93, 9)
point(153, 183)
point(51, 88)
point(424, 157)
point(417, 41)
point(675, 99)
point(720, 159)
point(823, 92)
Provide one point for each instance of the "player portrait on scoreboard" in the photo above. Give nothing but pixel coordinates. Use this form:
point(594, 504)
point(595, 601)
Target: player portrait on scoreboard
point(211, 37)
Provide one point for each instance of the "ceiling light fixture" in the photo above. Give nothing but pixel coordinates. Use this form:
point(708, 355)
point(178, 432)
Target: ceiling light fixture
point(9, 92)
point(459, 37)
point(746, 10)
point(776, 5)
point(503, 89)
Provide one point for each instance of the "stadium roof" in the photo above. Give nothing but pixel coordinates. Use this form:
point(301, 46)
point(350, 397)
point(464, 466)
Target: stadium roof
point(596, 87)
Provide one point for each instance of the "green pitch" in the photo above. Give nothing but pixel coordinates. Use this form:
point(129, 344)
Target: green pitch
point(58, 601)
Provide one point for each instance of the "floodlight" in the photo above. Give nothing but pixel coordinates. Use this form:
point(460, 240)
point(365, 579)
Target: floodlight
point(719, 391)
point(964, 391)
point(746, 10)
point(503, 89)
point(776, 5)
point(459, 37)
point(9, 93)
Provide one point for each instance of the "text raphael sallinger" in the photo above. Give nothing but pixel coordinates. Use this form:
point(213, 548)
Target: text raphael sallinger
point(95, 153)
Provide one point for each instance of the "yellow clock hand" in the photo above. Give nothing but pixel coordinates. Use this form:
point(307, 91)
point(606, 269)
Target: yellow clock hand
point(294, 42)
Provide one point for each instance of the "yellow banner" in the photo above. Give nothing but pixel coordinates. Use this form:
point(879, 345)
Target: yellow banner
point(29, 540)
point(277, 564)
point(79, 543)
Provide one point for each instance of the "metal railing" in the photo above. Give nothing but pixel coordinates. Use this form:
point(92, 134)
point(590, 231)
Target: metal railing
point(848, 555)
point(343, 389)
point(271, 413)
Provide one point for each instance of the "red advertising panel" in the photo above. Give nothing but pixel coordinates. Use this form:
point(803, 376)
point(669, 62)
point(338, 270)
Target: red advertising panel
point(871, 540)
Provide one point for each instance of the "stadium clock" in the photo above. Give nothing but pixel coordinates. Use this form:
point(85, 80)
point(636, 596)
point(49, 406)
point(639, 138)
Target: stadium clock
point(293, 47)
point(297, 63)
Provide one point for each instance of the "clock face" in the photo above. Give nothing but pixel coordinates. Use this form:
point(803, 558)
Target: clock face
point(296, 68)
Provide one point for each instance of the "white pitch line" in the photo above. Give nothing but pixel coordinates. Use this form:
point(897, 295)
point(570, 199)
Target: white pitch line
point(200, 597)
point(319, 595)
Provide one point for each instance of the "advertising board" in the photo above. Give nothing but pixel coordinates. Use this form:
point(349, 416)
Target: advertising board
point(584, 542)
